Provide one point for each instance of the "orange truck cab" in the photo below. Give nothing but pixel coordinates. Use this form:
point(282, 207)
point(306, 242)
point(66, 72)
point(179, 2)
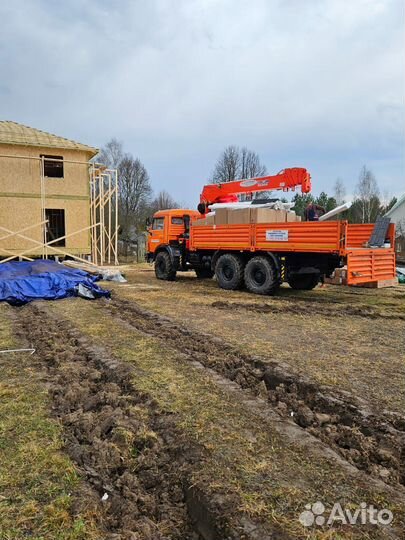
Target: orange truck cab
point(169, 243)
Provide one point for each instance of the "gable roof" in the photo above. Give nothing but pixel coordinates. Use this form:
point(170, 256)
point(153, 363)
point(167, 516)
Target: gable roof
point(399, 203)
point(14, 133)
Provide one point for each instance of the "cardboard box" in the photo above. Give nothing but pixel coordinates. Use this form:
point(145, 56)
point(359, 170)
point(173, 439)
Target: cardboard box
point(267, 215)
point(291, 216)
point(239, 216)
point(221, 216)
point(209, 220)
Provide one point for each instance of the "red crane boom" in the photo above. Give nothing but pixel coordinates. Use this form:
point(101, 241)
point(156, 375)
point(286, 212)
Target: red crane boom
point(288, 179)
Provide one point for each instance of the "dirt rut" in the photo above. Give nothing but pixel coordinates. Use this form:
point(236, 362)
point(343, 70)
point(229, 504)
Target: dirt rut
point(326, 309)
point(137, 464)
point(118, 438)
point(374, 443)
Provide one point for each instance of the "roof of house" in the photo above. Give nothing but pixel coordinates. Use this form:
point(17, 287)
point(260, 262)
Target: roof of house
point(14, 133)
point(399, 203)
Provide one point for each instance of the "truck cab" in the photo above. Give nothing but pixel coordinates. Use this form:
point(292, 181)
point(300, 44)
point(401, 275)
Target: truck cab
point(168, 242)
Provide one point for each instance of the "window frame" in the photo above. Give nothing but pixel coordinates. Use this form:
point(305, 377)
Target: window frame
point(179, 218)
point(55, 162)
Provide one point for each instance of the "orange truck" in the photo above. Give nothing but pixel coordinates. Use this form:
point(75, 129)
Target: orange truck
point(261, 255)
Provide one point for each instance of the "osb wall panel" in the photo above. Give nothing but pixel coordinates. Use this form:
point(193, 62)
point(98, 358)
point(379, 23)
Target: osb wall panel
point(16, 214)
point(20, 213)
point(23, 175)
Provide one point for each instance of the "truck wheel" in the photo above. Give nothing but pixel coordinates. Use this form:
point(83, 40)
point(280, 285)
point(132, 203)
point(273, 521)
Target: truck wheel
point(164, 267)
point(261, 276)
point(204, 273)
point(229, 271)
point(303, 282)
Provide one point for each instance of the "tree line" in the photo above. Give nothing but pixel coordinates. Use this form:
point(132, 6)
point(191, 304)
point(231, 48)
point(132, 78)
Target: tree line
point(137, 200)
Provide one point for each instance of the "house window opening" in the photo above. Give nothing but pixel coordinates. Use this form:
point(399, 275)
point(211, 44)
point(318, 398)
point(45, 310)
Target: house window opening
point(55, 228)
point(52, 168)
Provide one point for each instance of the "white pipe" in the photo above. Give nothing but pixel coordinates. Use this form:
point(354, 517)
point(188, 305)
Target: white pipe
point(335, 211)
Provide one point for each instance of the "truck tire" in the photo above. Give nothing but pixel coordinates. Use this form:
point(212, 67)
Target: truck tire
point(303, 282)
point(261, 276)
point(164, 267)
point(204, 273)
point(229, 271)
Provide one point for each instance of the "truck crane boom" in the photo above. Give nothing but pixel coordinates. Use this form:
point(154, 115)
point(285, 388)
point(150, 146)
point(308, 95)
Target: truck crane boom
point(287, 179)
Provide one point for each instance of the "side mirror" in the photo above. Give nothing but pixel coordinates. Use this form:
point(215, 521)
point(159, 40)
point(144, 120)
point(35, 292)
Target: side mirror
point(148, 222)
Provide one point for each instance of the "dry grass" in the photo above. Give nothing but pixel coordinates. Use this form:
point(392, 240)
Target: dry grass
point(318, 335)
point(245, 456)
point(37, 480)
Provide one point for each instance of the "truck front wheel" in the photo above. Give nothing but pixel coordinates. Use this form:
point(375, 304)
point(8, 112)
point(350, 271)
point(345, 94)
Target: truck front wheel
point(164, 267)
point(303, 282)
point(261, 276)
point(229, 271)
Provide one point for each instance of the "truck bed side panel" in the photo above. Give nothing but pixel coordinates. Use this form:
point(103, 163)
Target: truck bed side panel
point(231, 237)
point(279, 237)
point(358, 234)
point(299, 236)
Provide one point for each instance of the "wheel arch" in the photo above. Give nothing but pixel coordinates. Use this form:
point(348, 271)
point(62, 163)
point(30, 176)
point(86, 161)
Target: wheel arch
point(171, 250)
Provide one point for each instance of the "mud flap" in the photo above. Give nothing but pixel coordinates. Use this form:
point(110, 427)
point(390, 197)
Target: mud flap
point(370, 265)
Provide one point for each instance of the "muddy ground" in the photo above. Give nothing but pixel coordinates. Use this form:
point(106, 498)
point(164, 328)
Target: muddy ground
point(195, 413)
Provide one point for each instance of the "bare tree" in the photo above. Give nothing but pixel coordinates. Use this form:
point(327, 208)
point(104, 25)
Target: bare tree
point(235, 163)
point(134, 187)
point(339, 191)
point(163, 201)
point(367, 196)
point(250, 165)
point(227, 167)
point(134, 194)
point(111, 154)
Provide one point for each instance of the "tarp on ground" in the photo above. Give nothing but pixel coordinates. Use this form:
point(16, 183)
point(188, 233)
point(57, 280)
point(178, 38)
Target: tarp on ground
point(22, 282)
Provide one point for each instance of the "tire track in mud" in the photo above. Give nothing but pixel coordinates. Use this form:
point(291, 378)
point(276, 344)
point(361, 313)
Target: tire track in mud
point(125, 447)
point(122, 444)
point(372, 443)
point(323, 308)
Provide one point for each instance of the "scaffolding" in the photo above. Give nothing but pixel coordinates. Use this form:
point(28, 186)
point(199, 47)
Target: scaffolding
point(103, 209)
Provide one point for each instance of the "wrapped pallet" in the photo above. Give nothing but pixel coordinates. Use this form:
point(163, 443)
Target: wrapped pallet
point(239, 216)
point(221, 216)
point(267, 215)
point(207, 220)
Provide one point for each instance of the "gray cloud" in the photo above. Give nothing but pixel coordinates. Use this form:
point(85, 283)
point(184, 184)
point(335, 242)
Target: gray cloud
point(317, 83)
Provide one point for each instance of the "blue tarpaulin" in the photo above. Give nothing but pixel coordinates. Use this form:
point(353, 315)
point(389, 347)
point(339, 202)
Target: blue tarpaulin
point(21, 282)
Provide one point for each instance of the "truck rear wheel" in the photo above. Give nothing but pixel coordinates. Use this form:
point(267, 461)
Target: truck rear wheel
point(303, 282)
point(229, 271)
point(204, 273)
point(261, 276)
point(164, 267)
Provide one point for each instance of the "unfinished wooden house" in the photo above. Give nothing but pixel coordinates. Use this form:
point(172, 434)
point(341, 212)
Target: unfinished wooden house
point(54, 201)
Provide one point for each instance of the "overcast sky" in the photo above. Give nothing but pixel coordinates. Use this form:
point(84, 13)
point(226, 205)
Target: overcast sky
point(312, 83)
